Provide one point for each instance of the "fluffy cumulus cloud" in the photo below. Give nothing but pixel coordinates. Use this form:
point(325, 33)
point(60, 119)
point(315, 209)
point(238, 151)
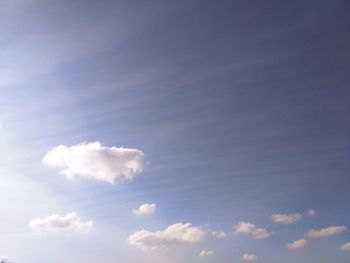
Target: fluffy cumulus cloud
point(249, 257)
point(218, 234)
point(58, 224)
point(178, 233)
point(206, 253)
point(326, 232)
point(248, 228)
point(297, 244)
point(345, 246)
point(95, 161)
point(286, 219)
point(145, 209)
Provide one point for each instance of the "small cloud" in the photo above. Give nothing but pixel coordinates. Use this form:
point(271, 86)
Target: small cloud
point(95, 161)
point(345, 246)
point(206, 253)
point(4, 260)
point(249, 257)
point(326, 232)
point(297, 244)
point(286, 219)
point(311, 213)
point(248, 228)
point(145, 209)
point(58, 224)
point(218, 234)
point(178, 233)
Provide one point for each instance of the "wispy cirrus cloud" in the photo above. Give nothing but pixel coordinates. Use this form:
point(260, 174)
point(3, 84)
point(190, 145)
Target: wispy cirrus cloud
point(179, 233)
point(95, 161)
point(250, 229)
point(145, 209)
point(297, 244)
point(70, 222)
point(326, 232)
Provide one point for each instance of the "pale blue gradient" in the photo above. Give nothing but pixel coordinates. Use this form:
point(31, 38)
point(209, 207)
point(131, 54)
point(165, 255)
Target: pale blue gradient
point(241, 108)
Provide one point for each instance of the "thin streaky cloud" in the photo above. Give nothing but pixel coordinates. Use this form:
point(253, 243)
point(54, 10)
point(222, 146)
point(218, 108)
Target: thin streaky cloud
point(326, 232)
point(297, 244)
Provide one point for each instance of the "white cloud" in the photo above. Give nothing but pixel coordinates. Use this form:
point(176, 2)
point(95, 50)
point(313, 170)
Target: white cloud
point(297, 244)
point(249, 257)
point(178, 233)
point(345, 246)
point(94, 161)
point(311, 213)
point(286, 219)
point(145, 209)
point(218, 234)
point(206, 253)
point(56, 223)
point(326, 232)
point(248, 228)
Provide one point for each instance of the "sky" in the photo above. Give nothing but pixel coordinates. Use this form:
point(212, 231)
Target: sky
point(174, 131)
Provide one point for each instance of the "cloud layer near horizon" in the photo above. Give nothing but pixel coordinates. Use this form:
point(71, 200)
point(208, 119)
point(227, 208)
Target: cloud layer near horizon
point(95, 161)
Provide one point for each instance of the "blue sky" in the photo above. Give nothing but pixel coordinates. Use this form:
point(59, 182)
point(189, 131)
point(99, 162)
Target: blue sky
point(210, 113)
